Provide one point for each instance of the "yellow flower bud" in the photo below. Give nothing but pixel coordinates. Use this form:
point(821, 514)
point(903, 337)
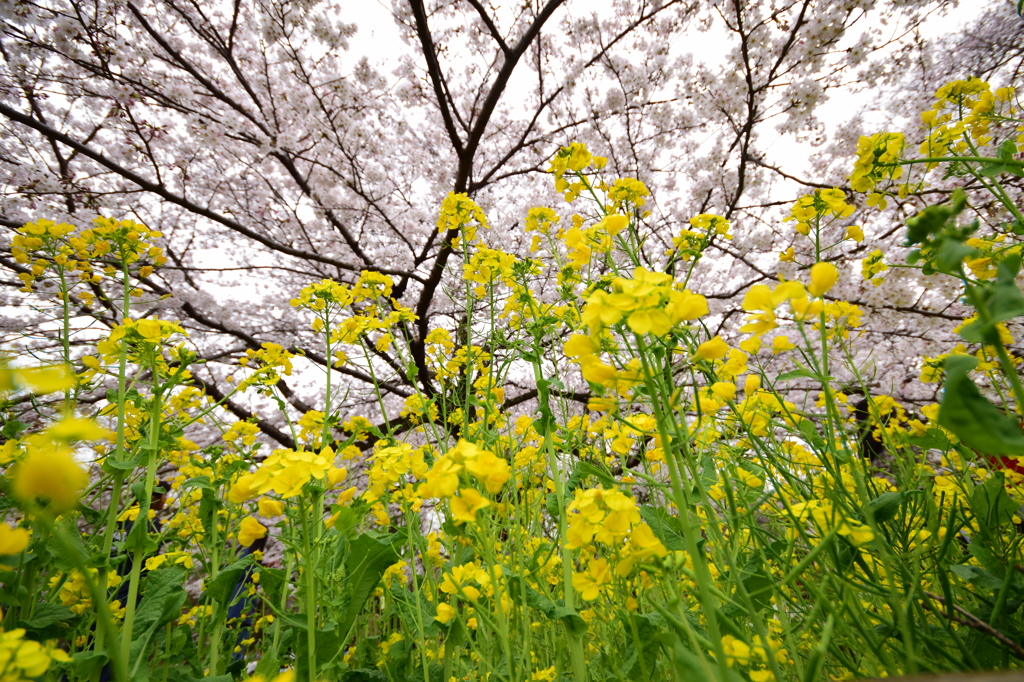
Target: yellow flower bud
point(823, 276)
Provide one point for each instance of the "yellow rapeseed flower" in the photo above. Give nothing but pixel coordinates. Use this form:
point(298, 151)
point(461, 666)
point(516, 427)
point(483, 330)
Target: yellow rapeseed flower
point(49, 474)
point(12, 540)
point(465, 506)
point(823, 277)
point(714, 349)
point(250, 531)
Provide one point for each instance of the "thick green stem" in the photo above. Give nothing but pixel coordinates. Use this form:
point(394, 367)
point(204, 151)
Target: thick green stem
point(119, 454)
point(142, 536)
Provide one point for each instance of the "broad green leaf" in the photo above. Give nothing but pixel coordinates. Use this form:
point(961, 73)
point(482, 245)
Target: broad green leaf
point(367, 560)
point(932, 219)
point(582, 470)
point(978, 577)
point(163, 595)
point(641, 633)
point(223, 586)
point(972, 417)
point(49, 621)
point(1002, 301)
point(951, 253)
point(1005, 162)
point(664, 527)
point(991, 506)
point(571, 619)
point(886, 505)
point(86, 664)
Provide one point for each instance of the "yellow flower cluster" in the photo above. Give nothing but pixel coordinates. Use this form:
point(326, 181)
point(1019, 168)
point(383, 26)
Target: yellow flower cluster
point(627, 193)
point(12, 540)
point(142, 336)
point(690, 244)
point(444, 478)
point(459, 212)
point(418, 409)
point(878, 158)
point(25, 659)
point(392, 468)
point(573, 159)
point(54, 245)
point(486, 266)
point(74, 590)
point(963, 110)
point(610, 518)
point(648, 302)
point(810, 210)
point(827, 518)
point(873, 266)
point(285, 472)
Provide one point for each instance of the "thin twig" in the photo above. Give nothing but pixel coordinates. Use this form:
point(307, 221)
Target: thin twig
point(972, 621)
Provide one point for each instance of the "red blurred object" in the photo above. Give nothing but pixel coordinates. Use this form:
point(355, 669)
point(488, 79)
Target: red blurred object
point(1012, 463)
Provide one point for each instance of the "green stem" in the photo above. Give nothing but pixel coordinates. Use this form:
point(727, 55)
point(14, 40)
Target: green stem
point(119, 454)
point(579, 664)
point(309, 573)
point(143, 518)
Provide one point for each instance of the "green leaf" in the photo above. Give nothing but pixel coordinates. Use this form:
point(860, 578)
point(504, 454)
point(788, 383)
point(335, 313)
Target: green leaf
point(582, 470)
point(327, 648)
point(1002, 301)
point(642, 635)
point(87, 664)
point(520, 591)
point(951, 253)
point(46, 615)
point(12, 428)
point(198, 482)
point(551, 504)
point(972, 417)
point(991, 506)
point(810, 433)
point(978, 577)
point(664, 527)
point(111, 465)
point(688, 666)
point(271, 582)
point(364, 675)
point(367, 560)
point(886, 506)
point(932, 219)
point(796, 374)
point(163, 596)
point(1004, 163)
point(49, 621)
point(573, 622)
point(223, 586)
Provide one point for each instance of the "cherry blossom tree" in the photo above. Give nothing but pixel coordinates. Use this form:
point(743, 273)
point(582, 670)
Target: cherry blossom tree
point(270, 155)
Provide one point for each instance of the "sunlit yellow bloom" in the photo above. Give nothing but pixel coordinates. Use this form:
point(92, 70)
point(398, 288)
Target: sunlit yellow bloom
point(269, 507)
point(12, 540)
point(50, 474)
point(724, 390)
point(78, 428)
point(489, 469)
point(591, 582)
point(714, 349)
point(823, 276)
point(466, 504)
point(250, 531)
point(782, 343)
point(445, 613)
